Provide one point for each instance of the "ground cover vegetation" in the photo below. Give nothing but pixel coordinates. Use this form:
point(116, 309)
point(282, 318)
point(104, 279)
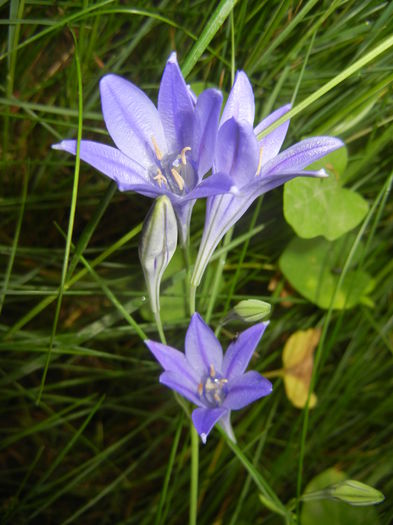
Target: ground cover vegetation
point(88, 434)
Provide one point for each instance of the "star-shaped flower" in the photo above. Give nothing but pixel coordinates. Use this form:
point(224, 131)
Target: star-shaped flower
point(164, 150)
point(216, 383)
point(255, 166)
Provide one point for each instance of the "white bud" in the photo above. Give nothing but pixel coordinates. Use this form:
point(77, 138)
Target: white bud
point(157, 246)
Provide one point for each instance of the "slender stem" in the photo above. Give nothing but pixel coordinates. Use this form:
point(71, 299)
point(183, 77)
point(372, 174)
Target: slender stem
point(160, 329)
point(192, 298)
point(187, 282)
point(194, 475)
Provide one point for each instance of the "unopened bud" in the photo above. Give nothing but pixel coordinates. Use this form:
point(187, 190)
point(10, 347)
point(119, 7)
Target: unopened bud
point(249, 311)
point(157, 246)
point(355, 493)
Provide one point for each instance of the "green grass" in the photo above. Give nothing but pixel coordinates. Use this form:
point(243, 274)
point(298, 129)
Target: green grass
point(106, 443)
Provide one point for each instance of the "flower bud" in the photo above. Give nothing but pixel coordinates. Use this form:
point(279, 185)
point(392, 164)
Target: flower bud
point(355, 493)
point(249, 311)
point(157, 246)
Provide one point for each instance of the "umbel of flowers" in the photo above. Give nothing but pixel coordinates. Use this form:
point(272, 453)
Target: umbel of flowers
point(166, 153)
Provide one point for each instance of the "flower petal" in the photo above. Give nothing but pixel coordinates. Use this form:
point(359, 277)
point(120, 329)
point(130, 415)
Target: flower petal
point(173, 361)
point(132, 119)
point(269, 182)
point(240, 103)
point(222, 212)
point(204, 420)
point(245, 389)
point(124, 171)
point(175, 107)
point(271, 144)
point(215, 184)
point(237, 152)
point(207, 114)
point(301, 155)
point(225, 423)
point(202, 347)
point(239, 352)
point(181, 385)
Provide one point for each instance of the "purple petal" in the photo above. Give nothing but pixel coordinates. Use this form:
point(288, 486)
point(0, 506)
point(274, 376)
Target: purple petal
point(110, 161)
point(173, 361)
point(202, 347)
point(207, 114)
point(245, 389)
point(222, 212)
point(271, 144)
point(301, 155)
point(204, 420)
point(237, 152)
point(180, 384)
point(132, 120)
point(175, 107)
point(269, 182)
point(240, 103)
point(239, 352)
point(215, 184)
point(225, 423)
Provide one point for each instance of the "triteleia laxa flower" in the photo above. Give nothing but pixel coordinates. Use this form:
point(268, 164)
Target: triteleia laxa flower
point(255, 166)
point(159, 151)
point(216, 383)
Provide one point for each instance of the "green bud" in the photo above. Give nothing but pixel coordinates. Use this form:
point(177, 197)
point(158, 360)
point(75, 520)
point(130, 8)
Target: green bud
point(157, 246)
point(249, 311)
point(355, 493)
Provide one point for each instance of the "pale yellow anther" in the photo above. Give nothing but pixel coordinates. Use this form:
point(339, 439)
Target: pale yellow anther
point(212, 371)
point(157, 150)
point(200, 389)
point(183, 154)
point(259, 162)
point(160, 178)
point(178, 178)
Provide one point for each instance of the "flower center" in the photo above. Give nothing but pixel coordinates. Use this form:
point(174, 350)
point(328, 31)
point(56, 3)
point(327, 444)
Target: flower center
point(174, 171)
point(213, 389)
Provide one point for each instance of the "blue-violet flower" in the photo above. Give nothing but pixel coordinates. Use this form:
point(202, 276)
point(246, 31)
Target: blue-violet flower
point(217, 384)
point(255, 166)
point(160, 151)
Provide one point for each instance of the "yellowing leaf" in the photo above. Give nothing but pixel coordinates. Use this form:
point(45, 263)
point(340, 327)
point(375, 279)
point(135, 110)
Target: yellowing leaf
point(298, 363)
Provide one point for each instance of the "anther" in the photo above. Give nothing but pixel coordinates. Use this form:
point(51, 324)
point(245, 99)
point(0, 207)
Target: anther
point(178, 178)
point(183, 154)
point(259, 162)
point(160, 178)
point(200, 389)
point(157, 150)
point(212, 371)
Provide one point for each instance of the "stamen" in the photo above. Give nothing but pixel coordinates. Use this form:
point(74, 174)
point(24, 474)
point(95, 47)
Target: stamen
point(200, 389)
point(212, 371)
point(183, 154)
point(259, 162)
point(157, 150)
point(178, 178)
point(160, 178)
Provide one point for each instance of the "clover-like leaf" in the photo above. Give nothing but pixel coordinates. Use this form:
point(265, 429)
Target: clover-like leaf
point(323, 207)
point(313, 268)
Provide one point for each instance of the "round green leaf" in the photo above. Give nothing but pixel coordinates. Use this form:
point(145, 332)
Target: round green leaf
point(316, 207)
point(326, 512)
point(313, 268)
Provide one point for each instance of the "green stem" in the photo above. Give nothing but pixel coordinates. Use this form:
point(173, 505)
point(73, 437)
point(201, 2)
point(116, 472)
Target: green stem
point(194, 475)
point(160, 329)
point(192, 298)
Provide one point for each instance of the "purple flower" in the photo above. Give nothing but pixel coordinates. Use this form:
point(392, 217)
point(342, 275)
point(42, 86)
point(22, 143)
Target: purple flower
point(217, 384)
point(255, 166)
point(160, 151)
